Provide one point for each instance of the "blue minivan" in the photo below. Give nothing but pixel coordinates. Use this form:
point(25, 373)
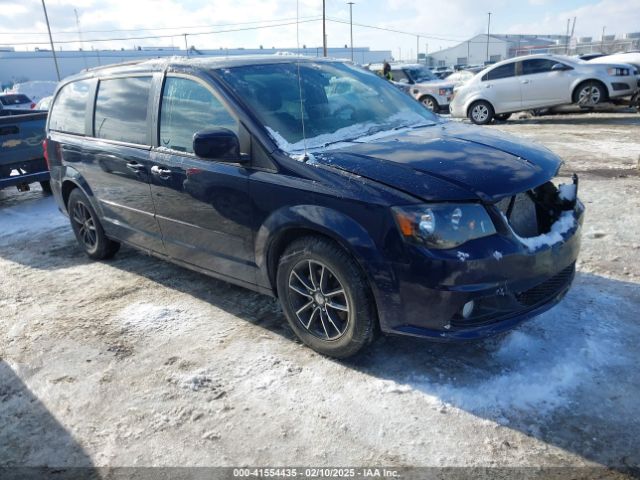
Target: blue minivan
point(320, 183)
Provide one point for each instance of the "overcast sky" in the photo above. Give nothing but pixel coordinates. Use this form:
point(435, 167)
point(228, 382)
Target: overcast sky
point(442, 23)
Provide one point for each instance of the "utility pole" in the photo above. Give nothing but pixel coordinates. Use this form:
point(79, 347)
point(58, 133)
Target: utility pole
point(573, 29)
point(324, 29)
point(417, 48)
point(566, 46)
point(53, 50)
point(602, 40)
point(186, 48)
point(351, 26)
point(84, 59)
point(488, 30)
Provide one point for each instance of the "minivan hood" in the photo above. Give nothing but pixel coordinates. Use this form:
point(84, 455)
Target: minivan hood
point(448, 161)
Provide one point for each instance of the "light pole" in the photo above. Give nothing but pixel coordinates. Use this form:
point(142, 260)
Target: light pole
point(488, 30)
point(53, 50)
point(324, 30)
point(417, 48)
point(351, 26)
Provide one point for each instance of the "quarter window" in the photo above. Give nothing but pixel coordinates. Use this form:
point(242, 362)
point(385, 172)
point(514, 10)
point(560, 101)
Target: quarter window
point(503, 71)
point(121, 109)
point(538, 65)
point(68, 112)
point(188, 107)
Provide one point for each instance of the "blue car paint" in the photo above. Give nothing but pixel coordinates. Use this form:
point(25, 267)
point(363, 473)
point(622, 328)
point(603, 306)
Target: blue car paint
point(344, 194)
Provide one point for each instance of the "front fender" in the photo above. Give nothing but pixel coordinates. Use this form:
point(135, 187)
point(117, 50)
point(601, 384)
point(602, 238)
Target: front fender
point(344, 230)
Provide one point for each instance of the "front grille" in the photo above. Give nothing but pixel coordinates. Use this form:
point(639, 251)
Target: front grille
point(547, 289)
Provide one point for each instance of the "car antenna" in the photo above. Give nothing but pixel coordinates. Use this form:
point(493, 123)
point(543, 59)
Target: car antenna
point(304, 136)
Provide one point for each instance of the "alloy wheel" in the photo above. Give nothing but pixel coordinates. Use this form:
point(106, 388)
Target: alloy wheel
point(589, 95)
point(319, 300)
point(85, 224)
point(428, 102)
point(480, 113)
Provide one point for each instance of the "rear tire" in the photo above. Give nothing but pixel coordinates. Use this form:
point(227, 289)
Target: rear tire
point(325, 297)
point(46, 187)
point(589, 93)
point(481, 112)
point(87, 228)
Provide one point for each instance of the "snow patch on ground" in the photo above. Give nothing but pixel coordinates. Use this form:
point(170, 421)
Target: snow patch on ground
point(538, 367)
point(149, 317)
point(31, 216)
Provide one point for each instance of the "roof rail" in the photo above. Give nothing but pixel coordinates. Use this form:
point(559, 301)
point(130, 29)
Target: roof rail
point(120, 64)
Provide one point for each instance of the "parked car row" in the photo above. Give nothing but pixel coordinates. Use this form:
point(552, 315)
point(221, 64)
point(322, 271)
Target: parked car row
point(541, 81)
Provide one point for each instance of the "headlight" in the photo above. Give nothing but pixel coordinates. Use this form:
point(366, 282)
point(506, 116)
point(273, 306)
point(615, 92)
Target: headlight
point(618, 72)
point(443, 225)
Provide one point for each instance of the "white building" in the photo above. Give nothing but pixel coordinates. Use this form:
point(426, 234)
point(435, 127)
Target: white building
point(500, 47)
point(17, 66)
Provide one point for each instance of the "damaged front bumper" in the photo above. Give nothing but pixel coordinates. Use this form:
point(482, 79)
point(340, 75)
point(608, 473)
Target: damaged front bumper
point(496, 283)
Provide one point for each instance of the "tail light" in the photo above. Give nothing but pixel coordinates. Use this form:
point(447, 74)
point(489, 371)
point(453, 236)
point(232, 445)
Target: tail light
point(33, 105)
point(45, 152)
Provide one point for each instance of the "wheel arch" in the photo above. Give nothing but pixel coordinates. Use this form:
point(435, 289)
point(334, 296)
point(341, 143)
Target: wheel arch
point(475, 100)
point(291, 223)
point(580, 83)
point(71, 180)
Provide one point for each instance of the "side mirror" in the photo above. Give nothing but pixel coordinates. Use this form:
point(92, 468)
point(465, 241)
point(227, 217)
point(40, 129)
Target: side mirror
point(559, 67)
point(217, 144)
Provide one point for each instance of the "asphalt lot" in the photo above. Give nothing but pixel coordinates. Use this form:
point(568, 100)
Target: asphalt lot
point(137, 362)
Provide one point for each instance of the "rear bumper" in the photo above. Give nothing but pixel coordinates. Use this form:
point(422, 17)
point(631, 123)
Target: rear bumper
point(506, 282)
point(30, 171)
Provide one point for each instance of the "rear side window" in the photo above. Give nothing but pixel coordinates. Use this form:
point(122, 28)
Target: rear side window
point(537, 65)
point(503, 71)
point(68, 111)
point(11, 99)
point(188, 107)
point(121, 109)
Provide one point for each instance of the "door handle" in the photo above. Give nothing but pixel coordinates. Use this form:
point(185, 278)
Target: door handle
point(161, 172)
point(488, 85)
point(526, 81)
point(135, 166)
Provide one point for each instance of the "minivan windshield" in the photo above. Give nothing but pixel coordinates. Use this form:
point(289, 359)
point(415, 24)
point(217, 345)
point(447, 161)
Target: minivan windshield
point(339, 103)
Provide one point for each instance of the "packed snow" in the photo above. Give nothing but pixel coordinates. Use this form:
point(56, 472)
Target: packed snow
point(567, 191)
point(561, 226)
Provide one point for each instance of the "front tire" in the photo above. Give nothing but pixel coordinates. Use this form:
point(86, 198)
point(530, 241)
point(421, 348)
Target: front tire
point(589, 94)
point(87, 228)
point(430, 103)
point(325, 297)
point(481, 112)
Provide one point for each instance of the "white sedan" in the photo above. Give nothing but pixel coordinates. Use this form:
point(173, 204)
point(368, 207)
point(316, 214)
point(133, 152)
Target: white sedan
point(539, 81)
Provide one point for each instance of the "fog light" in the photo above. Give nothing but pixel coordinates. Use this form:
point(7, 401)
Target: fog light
point(467, 310)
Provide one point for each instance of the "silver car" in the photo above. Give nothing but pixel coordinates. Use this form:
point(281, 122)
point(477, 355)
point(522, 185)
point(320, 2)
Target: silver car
point(540, 81)
point(423, 85)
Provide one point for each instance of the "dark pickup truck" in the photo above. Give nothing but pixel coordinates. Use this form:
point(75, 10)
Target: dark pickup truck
point(21, 155)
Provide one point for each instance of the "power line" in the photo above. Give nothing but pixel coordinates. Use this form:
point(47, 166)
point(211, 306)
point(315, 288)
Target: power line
point(216, 25)
point(153, 37)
